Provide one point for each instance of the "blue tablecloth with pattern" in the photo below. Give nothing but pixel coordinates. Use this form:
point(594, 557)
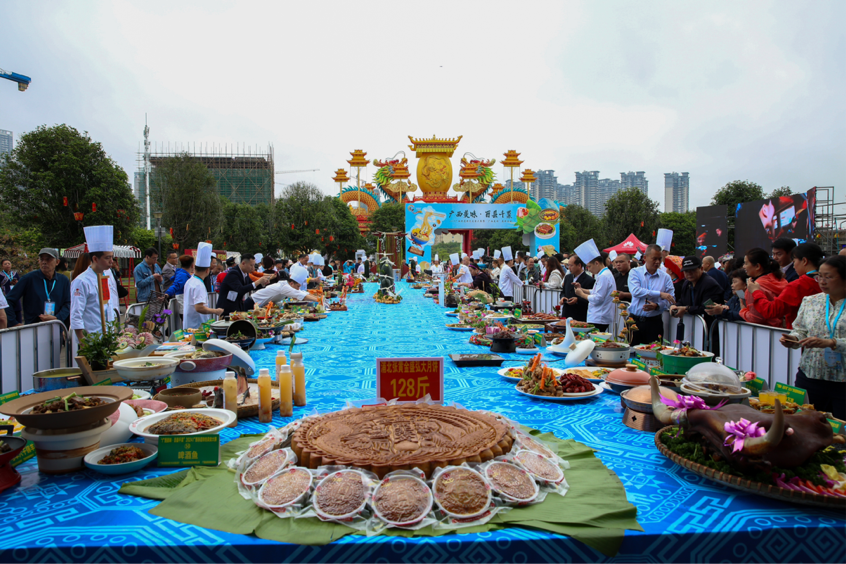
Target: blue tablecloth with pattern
point(81, 517)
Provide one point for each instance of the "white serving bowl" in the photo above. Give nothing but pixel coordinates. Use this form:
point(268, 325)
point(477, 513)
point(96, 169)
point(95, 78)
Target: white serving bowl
point(136, 368)
point(92, 459)
point(139, 426)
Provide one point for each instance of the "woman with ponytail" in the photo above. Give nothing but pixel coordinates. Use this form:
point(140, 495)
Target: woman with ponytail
point(765, 276)
point(807, 258)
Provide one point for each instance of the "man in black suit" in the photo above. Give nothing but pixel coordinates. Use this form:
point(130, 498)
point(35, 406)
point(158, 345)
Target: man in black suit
point(575, 307)
point(237, 284)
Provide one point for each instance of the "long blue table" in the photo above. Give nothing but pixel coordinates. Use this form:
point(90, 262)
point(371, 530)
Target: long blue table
point(80, 517)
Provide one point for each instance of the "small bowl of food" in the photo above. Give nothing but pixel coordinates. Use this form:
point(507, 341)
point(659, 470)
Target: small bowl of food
point(122, 458)
point(180, 397)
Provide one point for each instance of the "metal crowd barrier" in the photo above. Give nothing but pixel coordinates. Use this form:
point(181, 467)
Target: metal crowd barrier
point(753, 347)
point(695, 330)
point(27, 349)
point(175, 306)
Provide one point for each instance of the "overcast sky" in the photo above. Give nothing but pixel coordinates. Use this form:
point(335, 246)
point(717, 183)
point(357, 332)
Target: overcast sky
point(722, 90)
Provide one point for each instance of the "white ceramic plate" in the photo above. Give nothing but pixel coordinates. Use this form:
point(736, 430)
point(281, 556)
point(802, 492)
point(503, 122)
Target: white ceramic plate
point(528, 351)
point(566, 397)
point(138, 427)
point(92, 459)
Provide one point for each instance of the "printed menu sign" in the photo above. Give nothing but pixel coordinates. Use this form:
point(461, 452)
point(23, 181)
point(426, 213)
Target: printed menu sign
point(793, 393)
point(193, 450)
point(409, 379)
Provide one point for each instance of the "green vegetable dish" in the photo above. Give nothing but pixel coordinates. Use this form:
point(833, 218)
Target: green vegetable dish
point(701, 454)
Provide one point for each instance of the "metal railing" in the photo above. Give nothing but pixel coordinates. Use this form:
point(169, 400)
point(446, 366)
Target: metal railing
point(695, 330)
point(753, 347)
point(27, 349)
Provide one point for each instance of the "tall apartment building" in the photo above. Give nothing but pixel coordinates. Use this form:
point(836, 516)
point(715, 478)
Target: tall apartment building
point(7, 141)
point(676, 192)
point(545, 185)
point(566, 194)
point(634, 180)
point(586, 186)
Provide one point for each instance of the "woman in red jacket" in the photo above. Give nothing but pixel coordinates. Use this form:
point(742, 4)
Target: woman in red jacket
point(766, 276)
point(807, 258)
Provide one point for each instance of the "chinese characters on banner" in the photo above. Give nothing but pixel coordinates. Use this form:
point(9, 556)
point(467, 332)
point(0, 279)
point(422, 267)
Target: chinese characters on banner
point(409, 379)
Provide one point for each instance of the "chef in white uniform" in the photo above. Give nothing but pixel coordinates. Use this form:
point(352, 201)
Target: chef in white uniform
point(437, 267)
point(85, 300)
point(509, 284)
point(195, 298)
point(285, 289)
point(601, 306)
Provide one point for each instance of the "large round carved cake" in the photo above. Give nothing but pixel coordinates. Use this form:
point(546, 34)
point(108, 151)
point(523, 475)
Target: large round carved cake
point(385, 438)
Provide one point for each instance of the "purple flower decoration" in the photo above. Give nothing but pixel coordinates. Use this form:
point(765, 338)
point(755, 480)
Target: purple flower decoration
point(689, 402)
point(166, 312)
point(741, 430)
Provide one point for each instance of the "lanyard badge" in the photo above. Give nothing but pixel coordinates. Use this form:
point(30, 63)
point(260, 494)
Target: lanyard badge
point(832, 359)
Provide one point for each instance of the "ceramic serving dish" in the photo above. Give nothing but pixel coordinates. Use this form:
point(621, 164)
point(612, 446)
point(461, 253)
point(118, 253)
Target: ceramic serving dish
point(20, 408)
point(92, 459)
point(140, 426)
point(145, 368)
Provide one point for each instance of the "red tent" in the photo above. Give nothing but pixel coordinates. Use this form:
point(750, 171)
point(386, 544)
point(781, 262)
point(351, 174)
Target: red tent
point(631, 245)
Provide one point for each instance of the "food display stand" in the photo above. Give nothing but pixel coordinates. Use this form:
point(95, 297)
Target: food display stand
point(684, 517)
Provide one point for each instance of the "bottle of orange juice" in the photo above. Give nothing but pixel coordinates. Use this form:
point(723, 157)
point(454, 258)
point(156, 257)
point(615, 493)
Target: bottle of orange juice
point(265, 407)
point(298, 369)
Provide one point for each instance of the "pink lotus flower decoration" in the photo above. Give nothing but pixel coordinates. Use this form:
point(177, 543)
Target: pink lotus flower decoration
point(741, 430)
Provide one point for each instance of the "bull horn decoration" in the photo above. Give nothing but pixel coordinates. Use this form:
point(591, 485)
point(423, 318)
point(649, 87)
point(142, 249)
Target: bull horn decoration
point(663, 413)
point(762, 445)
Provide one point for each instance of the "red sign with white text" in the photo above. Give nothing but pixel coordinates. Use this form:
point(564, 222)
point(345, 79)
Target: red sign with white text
point(409, 379)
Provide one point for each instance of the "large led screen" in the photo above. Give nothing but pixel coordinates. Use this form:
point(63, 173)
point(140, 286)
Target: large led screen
point(761, 222)
point(711, 231)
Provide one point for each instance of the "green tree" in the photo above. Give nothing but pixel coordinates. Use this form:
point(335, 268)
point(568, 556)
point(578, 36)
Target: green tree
point(300, 213)
point(734, 193)
point(54, 163)
point(21, 246)
point(185, 190)
point(577, 226)
point(683, 225)
point(145, 238)
point(783, 191)
point(630, 211)
point(245, 229)
point(388, 218)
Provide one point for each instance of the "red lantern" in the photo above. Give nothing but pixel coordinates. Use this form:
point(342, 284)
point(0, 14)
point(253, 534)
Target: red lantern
point(78, 216)
point(306, 223)
point(292, 226)
point(641, 224)
point(171, 231)
point(65, 200)
point(331, 238)
point(176, 246)
point(321, 239)
point(317, 231)
point(93, 207)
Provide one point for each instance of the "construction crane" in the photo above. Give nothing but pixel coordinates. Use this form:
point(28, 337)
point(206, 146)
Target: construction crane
point(293, 171)
point(23, 81)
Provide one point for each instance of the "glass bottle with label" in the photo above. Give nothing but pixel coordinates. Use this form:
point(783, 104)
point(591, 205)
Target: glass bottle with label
point(298, 370)
point(265, 408)
point(230, 395)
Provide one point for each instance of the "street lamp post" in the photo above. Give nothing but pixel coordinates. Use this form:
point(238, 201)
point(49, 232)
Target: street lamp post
point(158, 216)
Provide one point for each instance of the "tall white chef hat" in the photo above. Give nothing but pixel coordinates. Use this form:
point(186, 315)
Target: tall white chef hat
point(664, 239)
point(436, 257)
point(612, 255)
point(497, 253)
point(477, 254)
point(638, 255)
point(463, 255)
point(99, 238)
point(204, 253)
point(298, 274)
point(587, 251)
point(481, 252)
point(506, 254)
point(258, 256)
point(453, 257)
point(312, 258)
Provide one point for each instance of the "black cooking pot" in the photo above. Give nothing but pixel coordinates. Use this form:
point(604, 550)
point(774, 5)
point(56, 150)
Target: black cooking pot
point(508, 345)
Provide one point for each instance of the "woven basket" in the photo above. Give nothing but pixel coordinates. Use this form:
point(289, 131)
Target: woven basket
point(766, 490)
point(243, 411)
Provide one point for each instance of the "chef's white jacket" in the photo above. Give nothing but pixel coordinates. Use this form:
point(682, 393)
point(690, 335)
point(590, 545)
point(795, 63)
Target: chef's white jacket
point(276, 292)
point(195, 293)
point(600, 301)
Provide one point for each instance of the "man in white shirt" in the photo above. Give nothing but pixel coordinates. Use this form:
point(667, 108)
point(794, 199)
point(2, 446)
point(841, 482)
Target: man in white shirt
point(196, 310)
point(437, 268)
point(601, 306)
point(509, 284)
point(285, 288)
point(652, 294)
point(359, 268)
point(464, 276)
point(85, 298)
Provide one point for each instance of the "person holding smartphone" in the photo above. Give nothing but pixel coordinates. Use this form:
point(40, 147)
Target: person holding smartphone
point(806, 261)
point(737, 301)
point(820, 330)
